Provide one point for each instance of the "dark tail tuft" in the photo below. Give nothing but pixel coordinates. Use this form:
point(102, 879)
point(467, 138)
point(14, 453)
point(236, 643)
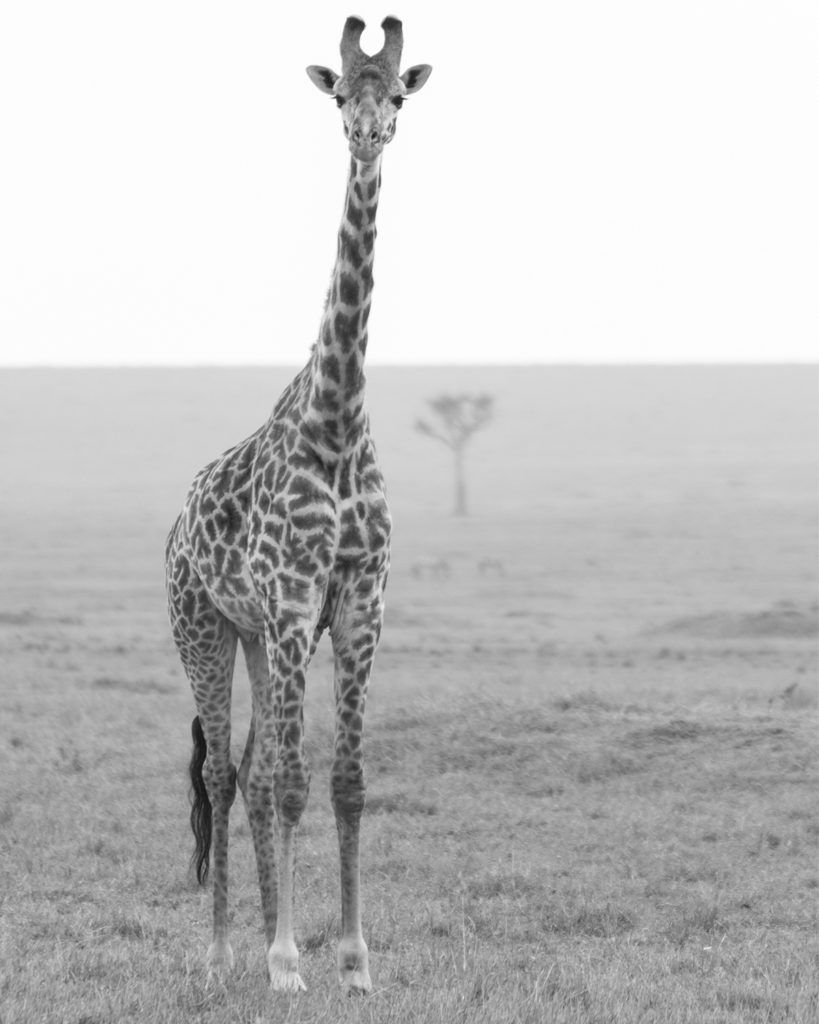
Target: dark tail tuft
point(200, 804)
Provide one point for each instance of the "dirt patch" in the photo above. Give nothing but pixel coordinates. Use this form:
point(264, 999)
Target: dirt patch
point(676, 730)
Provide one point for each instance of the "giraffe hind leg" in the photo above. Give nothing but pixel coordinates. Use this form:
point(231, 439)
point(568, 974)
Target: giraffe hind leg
point(256, 784)
point(206, 642)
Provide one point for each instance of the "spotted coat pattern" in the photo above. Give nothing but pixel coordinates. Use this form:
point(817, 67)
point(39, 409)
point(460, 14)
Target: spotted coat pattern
point(284, 536)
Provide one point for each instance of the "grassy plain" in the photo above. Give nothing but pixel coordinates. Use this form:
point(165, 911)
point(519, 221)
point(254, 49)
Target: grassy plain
point(592, 765)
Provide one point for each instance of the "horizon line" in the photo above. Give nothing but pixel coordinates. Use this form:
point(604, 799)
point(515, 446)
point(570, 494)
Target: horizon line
point(562, 364)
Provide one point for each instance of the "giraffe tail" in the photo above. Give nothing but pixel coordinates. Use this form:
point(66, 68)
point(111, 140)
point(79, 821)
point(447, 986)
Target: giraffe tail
point(201, 816)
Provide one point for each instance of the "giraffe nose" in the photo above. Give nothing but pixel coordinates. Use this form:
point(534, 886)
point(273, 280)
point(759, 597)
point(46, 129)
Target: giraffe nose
point(366, 137)
point(361, 135)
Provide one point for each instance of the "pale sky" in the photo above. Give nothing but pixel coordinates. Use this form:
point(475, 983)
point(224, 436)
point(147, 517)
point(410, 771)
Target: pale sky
point(582, 181)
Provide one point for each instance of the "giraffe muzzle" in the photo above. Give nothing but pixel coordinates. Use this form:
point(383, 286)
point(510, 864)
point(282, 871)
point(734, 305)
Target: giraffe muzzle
point(366, 138)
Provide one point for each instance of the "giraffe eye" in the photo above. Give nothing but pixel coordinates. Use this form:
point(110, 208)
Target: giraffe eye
point(397, 102)
point(340, 101)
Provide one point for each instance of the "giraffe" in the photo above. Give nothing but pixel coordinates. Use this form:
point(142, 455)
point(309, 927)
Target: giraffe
point(286, 535)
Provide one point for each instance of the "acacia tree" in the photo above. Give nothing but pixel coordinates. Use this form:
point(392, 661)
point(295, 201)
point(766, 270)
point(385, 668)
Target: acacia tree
point(458, 417)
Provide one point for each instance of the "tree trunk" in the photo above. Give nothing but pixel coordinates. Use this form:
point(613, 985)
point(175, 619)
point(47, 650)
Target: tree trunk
point(460, 486)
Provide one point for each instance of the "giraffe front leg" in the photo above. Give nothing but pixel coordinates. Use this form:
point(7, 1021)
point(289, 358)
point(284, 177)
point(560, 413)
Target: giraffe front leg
point(288, 654)
point(283, 955)
point(354, 652)
point(353, 956)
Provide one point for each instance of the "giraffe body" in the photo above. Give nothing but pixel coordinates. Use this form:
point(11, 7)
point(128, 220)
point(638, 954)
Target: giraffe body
point(271, 511)
point(285, 535)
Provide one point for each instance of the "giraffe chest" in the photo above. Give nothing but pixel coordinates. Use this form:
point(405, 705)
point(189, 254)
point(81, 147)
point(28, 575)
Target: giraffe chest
point(319, 529)
point(285, 537)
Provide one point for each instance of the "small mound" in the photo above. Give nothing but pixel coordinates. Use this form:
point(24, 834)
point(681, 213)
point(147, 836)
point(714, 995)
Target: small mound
point(23, 618)
point(784, 619)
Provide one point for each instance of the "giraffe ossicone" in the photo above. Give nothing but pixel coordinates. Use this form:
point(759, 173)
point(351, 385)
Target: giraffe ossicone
point(283, 536)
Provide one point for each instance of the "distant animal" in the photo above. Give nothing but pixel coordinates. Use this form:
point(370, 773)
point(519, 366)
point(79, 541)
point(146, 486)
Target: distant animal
point(491, 567)
point(432, 568)
point(283, 536)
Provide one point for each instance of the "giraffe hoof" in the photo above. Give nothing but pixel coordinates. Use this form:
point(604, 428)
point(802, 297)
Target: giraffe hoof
point(356, 983)
point(286, 981)
point(284, 972)
point(353, 969)
point(219, 961)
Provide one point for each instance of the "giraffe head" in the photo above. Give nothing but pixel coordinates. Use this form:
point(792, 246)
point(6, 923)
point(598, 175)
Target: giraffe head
point(369, 91)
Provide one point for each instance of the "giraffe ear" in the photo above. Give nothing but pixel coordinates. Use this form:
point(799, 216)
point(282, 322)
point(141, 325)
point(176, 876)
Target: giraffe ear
point(414, 77)
point(322, 78)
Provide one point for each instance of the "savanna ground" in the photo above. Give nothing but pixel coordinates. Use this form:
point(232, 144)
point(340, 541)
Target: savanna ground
point(592, 762)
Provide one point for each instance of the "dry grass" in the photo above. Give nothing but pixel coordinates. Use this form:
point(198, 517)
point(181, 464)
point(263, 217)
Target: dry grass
point(587, 801)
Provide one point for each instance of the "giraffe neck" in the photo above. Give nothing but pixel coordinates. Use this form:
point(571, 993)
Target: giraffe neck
point(334, 417)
